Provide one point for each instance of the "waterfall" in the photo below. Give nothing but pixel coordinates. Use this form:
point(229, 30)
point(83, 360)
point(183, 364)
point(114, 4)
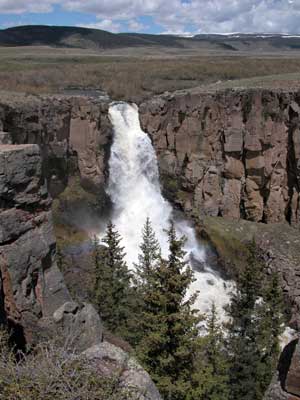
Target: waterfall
point(135, 192)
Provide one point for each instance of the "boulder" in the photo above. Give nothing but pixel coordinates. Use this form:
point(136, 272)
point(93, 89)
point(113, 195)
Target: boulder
point(81, 324)
point(133, 377)
point(286, 383)
point(292, 382)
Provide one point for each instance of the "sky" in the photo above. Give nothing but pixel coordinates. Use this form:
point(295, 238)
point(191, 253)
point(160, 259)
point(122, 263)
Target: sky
point(187, 17)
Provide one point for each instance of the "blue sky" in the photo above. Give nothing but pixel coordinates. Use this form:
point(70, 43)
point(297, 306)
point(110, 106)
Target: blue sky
point(158, 16)
point(60, 16)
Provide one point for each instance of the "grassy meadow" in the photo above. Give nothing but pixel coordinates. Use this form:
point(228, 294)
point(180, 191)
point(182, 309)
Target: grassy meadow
point(138, 75)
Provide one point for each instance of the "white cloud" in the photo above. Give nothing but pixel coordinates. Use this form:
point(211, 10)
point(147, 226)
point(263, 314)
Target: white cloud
point(136, 26)
point(119, 9)
point(178, 15)
point(202, 15)
point(105, 24)
point(25, 6)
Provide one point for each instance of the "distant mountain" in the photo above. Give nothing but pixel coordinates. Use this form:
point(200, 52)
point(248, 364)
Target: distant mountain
point(76, 37)
point(80, 37)
point(257, 41)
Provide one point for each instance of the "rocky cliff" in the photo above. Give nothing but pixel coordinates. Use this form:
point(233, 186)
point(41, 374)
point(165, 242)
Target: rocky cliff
point(32, 287)
point(73, 133)
point(234, 154)
point(34, 300)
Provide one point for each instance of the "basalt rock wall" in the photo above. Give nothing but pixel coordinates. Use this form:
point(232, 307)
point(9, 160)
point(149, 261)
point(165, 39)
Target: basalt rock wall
point(234, 154)
point(32, 288)
point(73, 133)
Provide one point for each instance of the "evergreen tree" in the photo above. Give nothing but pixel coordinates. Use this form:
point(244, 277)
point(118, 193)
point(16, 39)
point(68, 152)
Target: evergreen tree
point(253, 332)
point(112, 292)
point(211, 377)
point(149, 256)
point(169, 323)
point(272, 326)
point(275, 314)
point(148, 261)
point(243, 332)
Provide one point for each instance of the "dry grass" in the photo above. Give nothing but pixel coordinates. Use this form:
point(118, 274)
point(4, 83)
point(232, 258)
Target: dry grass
point(133, 78)
point(50, 372)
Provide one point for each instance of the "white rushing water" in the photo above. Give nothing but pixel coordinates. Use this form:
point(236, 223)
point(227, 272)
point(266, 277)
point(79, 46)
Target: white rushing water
point(136, 194)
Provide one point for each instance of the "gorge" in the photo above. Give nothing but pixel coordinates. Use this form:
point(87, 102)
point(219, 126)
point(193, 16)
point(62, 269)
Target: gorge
point(134, 188)
point(228, 160)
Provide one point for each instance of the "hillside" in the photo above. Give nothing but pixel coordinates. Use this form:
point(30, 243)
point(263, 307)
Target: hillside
point(255, 42)
point(84, 38)
point(80, 37)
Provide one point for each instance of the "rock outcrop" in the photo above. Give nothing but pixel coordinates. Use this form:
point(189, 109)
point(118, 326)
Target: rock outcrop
point(133, 377)
point(234, 153)
point(33, 288)
point(73, 133)
point(292, 382)
point(286, 385)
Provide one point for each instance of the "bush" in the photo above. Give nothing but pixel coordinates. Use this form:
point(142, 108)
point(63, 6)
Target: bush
point(52, 372)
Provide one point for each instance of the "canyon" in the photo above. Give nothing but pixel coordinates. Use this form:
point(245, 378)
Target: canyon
point(35, 303)
point(229, 160)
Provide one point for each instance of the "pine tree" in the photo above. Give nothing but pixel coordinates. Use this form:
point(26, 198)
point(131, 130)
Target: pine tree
point(243, 332)
point(253, 331)
point(272, 326)
point(148, 261)
point(169, 323)
point(149, 256)
point(275, 313)
point(211, 377)
point(112, 290)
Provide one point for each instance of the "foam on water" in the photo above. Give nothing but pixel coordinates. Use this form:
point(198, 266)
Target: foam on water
point(136, 194)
